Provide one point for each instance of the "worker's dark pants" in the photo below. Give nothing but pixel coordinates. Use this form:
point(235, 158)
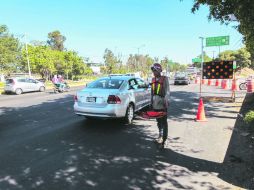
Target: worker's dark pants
point(162, 124)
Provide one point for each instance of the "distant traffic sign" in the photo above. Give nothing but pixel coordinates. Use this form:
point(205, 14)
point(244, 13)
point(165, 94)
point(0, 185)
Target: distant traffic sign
point(217, 41)
point(234, 65)
point(197, 60)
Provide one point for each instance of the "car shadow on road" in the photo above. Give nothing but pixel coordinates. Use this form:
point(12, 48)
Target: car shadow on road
point(64, 151)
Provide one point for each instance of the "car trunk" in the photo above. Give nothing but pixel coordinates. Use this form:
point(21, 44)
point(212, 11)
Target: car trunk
point(92, 97)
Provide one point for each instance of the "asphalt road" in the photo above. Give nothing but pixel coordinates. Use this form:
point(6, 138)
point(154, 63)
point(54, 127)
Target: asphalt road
point(44, 145)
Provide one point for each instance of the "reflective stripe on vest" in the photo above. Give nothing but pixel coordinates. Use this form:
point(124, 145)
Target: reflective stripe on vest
point(158, 86)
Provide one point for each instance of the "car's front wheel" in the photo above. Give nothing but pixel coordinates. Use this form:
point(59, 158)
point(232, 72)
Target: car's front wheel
point(129, 116)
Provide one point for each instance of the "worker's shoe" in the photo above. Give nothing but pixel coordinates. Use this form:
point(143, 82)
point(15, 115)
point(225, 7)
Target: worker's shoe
point(158, 140)
point(163, 144)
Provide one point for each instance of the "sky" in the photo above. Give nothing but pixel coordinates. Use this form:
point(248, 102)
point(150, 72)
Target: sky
point(158, 28)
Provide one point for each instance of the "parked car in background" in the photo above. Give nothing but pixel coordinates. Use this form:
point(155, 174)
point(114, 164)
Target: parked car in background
point(181, 78)
point(113, 97)
point(20, 85)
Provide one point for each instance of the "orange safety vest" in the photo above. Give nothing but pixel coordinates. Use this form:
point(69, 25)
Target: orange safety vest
point(158, 86)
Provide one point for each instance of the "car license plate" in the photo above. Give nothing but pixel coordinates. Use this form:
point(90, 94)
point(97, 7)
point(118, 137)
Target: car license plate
point(90, 99)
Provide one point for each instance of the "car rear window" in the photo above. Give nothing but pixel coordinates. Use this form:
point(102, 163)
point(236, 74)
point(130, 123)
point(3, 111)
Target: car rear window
point(106, 84)
point(9, 81)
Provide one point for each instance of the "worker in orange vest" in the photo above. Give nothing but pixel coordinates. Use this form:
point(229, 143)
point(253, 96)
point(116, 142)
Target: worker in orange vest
point(160, 92)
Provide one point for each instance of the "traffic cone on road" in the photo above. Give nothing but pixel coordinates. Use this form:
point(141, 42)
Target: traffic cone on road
point(209, 82)
point(217, 83)
point(201, 111)
point(225, 86)
point(235, 85)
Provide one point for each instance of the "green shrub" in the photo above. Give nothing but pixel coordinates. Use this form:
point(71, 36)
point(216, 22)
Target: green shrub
point(249, 117)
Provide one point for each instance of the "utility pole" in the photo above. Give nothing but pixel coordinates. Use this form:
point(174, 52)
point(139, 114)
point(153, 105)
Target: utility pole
point(213, 55)
point(202, 62)
point(27, 57)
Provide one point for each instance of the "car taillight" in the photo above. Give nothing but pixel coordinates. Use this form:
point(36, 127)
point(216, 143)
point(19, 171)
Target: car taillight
point(75, 98)
point(112, 99)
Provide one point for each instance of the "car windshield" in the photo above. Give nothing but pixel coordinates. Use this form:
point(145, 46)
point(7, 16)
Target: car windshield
point(106, 84)
point(180, 75)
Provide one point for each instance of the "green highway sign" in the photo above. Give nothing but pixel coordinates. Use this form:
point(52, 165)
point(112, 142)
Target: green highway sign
point(197, 60)
point(217, 41)
point(234, 64)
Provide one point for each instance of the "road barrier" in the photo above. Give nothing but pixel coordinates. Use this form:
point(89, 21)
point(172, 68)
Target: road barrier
point(209, 82)
point(224, 84)
point(250, 85)
point(235, 85)
point(197, 80)
point(218, 82)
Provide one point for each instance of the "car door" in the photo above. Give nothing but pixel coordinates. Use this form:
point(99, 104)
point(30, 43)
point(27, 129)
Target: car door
point(135, 93)
point(22, 84)
point(145, 92)
point(32, 85)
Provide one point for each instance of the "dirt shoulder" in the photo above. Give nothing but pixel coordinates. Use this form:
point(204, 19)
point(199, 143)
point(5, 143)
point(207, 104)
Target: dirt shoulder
point(239, 159)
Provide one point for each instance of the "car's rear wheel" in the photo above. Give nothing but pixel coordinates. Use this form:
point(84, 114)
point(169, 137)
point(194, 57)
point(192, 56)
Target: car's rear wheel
point(129, 116)
point(18, 91)
point(42, 89)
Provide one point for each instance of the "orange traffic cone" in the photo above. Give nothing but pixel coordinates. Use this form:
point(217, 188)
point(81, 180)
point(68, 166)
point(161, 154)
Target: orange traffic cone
point(209, 82)
point(225, 86)
point(218, 82)
point(201, 111)
point(235, 85)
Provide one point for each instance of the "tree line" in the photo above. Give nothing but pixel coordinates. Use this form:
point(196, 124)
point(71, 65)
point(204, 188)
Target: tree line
point(45, 58)
point(51, 57)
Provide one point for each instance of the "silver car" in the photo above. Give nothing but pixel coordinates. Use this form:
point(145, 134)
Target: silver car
point(181, 78)
point(113, 97)
point(20, 85)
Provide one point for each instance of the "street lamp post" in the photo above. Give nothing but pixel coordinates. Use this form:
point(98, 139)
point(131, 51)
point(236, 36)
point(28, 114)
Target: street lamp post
point(27, 57)
point(143, 45)
point(140, 47)
point(202, 61)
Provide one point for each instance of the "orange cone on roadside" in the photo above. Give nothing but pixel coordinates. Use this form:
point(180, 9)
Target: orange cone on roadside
point(225, 86)
point(209, 82)
point(235, 85)
point(217, 83)
point(201, 111)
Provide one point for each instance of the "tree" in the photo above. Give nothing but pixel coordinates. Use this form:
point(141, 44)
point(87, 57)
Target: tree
point(242, 56)
point(223, 10)
point(3, 30)
point(206, 59)
point(227, 55)
point(56, 40)
point(9, 51)
point(141, 63)
point(42, 60)
point(111, 62)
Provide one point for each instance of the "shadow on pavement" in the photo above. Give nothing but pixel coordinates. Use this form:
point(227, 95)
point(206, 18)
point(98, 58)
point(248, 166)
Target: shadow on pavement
point(63, 151)
point(239, 159)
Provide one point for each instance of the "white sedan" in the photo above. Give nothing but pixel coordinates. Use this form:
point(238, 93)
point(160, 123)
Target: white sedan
point(113, 97)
